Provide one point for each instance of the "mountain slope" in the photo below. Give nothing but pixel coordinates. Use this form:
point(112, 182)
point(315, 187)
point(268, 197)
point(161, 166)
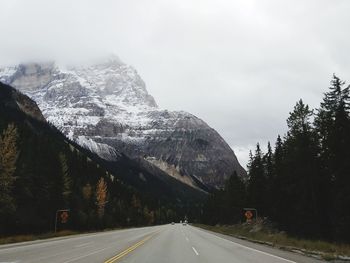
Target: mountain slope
point(106, 108)
point(50, 172)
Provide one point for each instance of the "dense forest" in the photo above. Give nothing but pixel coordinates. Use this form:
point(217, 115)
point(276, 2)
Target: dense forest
point(303, 183)
point(41, 171)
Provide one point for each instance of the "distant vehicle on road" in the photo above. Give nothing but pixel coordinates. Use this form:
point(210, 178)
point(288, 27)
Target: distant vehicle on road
point(173, 223)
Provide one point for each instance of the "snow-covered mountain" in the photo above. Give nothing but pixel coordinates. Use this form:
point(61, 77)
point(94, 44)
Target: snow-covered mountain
point(106, 108)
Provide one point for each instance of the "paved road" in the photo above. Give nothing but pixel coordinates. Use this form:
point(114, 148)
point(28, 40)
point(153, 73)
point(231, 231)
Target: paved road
point(159, 244)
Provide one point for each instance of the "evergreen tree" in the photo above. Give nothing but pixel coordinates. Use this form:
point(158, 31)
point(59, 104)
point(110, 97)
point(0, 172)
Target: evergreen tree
point(277, 196)
point(268, 161)
point(87, 191)
point(299, 119)
point(215, 211)
point(269, 175)
point(256, 189)
point(235, 198)
point(301, 175)
point(333, 127)
point(278, 156)
point(66, 179)
point(8, 158)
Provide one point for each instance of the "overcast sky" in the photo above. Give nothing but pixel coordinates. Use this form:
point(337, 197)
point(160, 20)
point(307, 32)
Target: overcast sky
point(238, 65)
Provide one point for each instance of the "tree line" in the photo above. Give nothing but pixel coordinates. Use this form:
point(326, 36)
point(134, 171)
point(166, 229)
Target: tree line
point(39, 176)
point(41, 172)
point(302, 183)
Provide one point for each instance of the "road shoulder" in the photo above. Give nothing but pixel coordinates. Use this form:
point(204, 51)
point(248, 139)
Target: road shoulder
point(292, 256)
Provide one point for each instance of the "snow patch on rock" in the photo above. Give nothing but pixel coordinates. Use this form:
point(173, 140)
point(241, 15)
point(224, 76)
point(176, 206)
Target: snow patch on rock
point(105, 107)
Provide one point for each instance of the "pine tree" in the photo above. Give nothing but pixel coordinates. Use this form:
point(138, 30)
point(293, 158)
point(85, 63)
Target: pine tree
point(8, 158)
point(333, 127)
point(268, 161)
point(269, 175)
point(256, 189)
point(301, 174)
point(135, 202)
point(234, 198)
point(332, 118)
point(278, 156)
point(277, 205)
point(299, 119)
point(66, 179)
point(87, 191)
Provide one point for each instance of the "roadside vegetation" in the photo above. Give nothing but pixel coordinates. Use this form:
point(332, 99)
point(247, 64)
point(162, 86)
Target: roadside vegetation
point(265, 233)
point(31, 237)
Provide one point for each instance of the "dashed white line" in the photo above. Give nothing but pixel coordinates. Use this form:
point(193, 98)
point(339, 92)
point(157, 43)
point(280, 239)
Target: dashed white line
point(195, 251)
point(187, 239)
point(84, 244)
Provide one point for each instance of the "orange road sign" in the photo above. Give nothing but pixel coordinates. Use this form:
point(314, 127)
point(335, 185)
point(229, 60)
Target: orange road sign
point(249, 215)
point(64, 217)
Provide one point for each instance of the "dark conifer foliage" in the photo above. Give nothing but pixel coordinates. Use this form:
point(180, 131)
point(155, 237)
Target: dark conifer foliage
point(303, 185)
point(8, 158)
point(301, 175)
point(257, 182)
point(333, 127)
point(225, 205)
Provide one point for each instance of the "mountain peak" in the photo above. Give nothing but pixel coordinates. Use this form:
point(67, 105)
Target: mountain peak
point(105, 107)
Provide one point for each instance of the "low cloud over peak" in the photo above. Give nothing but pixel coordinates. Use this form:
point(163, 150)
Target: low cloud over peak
point(239, 65)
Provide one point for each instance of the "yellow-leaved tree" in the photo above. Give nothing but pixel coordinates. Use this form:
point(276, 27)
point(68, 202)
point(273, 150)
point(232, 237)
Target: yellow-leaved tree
point(101, 197)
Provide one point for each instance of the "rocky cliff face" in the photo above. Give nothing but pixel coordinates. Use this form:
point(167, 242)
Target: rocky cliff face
point(106, 108)
point(15, 100)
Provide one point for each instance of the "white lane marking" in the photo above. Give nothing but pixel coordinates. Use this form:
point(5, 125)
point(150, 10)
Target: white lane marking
point(187, 239)
point(195, 251)
point(86, 255)
point(252, 249)
point(84, 244)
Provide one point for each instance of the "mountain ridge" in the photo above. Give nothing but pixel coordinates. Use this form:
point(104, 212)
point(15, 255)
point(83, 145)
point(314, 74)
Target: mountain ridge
point(52, 172)
point(106, 108)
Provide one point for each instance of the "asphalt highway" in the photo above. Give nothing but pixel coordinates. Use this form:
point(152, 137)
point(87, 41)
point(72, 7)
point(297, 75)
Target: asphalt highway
point(160, 244)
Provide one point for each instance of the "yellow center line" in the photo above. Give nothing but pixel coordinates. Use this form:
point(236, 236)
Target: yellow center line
point(130, 249)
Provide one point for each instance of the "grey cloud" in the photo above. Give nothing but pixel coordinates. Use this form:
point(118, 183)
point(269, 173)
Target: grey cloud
point(239, 65)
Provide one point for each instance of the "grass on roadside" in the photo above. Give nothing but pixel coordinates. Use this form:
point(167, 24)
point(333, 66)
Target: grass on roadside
point(31, 237)
point(62, 233)
point(262, 233)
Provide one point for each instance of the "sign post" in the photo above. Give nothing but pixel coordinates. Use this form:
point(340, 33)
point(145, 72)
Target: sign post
point(62, 216)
